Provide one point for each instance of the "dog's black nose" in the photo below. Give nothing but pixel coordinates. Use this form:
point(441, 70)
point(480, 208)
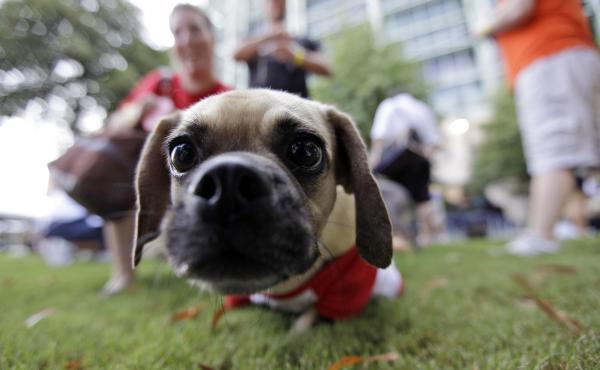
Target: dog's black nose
point(229, 188)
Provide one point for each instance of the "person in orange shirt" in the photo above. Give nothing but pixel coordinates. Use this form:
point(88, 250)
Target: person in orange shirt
point(553, 66)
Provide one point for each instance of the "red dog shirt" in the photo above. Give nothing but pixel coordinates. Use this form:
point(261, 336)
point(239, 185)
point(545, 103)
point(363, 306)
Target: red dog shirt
point(341, 289)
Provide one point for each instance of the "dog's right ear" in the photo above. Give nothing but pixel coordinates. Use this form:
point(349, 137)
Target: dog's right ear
point(373, 228)
point(152, 185)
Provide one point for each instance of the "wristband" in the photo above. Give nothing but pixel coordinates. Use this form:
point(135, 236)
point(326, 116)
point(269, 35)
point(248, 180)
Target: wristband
point(486, 31)
point(299, 56)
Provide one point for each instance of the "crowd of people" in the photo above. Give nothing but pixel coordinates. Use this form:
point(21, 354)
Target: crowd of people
point(552, 65)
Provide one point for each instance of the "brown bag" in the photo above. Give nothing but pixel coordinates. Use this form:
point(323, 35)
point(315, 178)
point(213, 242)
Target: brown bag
point(98, 171)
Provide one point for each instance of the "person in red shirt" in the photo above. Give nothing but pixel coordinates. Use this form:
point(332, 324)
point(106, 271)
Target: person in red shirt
point(192, 79)
point(553, 66)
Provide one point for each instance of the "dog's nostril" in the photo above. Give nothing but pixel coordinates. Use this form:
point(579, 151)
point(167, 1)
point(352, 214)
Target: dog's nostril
point(250, 187)
point(207, 188)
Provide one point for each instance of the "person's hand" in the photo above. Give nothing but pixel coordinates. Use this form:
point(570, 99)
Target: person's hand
point(278, 34)
point(148, 103)
point(131, 114)
point(482, 32)
point(283, 52)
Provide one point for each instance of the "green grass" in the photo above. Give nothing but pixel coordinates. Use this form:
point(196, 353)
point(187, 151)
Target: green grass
point(461, 310)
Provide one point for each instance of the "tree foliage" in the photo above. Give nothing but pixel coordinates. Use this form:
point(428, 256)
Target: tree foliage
point(364, 75)
point(500, 156)
point(81, 53)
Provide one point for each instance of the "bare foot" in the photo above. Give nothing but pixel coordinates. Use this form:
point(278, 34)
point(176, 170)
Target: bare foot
point(400, 244)
point(116, 285)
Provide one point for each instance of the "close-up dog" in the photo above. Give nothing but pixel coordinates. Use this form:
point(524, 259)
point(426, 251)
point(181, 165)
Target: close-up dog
point(267, 198)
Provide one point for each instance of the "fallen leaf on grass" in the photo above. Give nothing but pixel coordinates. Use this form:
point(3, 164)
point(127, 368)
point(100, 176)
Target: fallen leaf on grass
point(390, 356)
point(134, 288)
point(555, 268)
point(346, 361)
point(526, 304)
point(7, 281)
point(438, 282)
point(38, 316)
point(558, 316)
point(76, 364)
point(226, 364)
point(435, 283)
point(217, 317)
point(543, 271)
point(353, 360)
point(187, 314)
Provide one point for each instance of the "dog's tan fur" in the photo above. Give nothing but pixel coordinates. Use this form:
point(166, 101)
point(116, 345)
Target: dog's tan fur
point(247, 121)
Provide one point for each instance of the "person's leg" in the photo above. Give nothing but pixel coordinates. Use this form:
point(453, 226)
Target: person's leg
point(576, 208)
point(557, 120)
point(397, 201)
point(425, 223)
point(417, 182)
point(118, 236)
point(548, 195)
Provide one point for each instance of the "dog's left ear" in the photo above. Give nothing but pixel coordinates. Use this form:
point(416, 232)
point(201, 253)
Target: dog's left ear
point(373, 228)
point(152, 185)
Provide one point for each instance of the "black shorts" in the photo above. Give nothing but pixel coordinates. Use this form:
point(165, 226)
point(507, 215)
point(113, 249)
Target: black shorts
point(413, 172)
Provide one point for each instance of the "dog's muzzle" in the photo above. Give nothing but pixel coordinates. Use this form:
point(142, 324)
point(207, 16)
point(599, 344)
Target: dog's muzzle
point(241, 226)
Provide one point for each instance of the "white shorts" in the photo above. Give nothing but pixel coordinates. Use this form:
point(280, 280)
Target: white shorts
point(558, 104)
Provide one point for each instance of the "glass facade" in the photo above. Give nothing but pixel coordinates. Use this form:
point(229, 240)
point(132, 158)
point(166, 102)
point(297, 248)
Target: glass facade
point(436, 33)
point(462, 75)
point(433, 32)
point(326, 17)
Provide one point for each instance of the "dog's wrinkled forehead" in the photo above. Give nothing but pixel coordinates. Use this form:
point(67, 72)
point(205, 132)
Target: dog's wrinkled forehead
point(248, 120)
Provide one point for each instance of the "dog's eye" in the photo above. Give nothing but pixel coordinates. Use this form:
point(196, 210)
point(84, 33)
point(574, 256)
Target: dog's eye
point(305, 152)
point(183, 157)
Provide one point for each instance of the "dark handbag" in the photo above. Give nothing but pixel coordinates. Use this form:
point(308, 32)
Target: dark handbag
point(98, 171)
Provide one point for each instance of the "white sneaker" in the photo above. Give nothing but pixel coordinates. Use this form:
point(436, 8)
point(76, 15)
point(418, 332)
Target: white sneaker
point(529, 245)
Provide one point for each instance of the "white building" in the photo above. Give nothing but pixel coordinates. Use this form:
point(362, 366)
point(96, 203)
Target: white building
point(461, 75)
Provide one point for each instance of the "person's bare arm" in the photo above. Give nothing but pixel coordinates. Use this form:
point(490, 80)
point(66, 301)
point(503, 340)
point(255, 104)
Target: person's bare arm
point(316, 62)
point(312, 61)
point(132, 114)
point(249, 49)
point(508, 16)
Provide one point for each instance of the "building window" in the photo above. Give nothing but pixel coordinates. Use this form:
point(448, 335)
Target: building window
point(338, 20)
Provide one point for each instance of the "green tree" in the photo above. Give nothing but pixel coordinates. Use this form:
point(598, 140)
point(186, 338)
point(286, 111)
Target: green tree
point(364, 75)
point(500, 155)
point(81, 53)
